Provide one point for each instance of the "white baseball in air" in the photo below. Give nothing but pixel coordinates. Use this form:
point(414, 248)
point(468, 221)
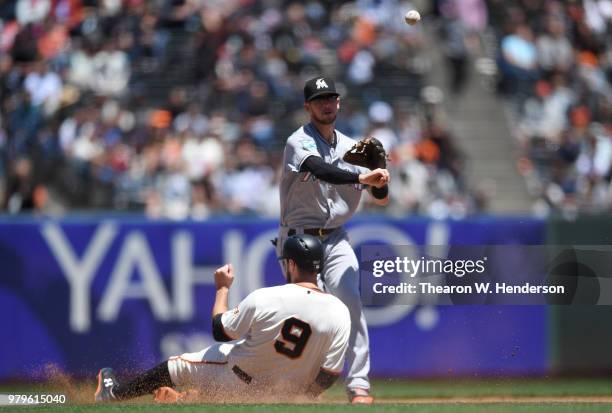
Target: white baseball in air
point(412, 17)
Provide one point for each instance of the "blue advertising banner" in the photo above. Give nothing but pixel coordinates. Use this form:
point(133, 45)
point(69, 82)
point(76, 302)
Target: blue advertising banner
point(79, 294)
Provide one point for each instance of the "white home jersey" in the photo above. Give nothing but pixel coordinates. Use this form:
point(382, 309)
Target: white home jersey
point(288, 333)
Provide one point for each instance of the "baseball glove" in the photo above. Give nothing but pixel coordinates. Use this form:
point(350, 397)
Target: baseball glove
point(368, 152)
point(169, 395)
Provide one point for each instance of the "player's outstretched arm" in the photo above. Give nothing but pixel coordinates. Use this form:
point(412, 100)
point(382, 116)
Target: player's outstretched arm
point(224, 277)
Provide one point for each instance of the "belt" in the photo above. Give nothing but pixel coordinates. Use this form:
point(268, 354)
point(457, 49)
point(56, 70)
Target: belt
point(242, 375)
point(319, 232)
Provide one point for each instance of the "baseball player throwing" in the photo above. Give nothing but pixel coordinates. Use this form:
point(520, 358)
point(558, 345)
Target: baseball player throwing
point(320, 190)
point(287, 340)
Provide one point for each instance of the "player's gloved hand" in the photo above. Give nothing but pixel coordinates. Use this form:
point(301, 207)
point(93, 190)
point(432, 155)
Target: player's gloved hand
point(167, 395)
point(368, 152)
point(377, 178)
point(224, 276)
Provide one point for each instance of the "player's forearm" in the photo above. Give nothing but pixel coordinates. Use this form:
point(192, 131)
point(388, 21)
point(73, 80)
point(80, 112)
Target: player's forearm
point(329, 173)
point(220, 305)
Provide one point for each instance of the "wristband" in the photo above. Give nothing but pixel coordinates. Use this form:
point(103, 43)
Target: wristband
point(380, 193)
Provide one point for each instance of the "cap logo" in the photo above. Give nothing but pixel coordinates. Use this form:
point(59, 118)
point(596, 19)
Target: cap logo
point(321, 84)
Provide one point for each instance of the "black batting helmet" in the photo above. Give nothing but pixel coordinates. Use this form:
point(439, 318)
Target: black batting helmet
point(306, 250)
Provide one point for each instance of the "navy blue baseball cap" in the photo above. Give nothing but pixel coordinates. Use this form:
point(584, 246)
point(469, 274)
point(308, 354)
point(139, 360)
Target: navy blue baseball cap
point(319, 86)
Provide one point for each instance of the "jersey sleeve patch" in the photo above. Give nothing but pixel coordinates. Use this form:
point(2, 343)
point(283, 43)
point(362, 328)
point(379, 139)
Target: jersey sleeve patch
point(308, 145)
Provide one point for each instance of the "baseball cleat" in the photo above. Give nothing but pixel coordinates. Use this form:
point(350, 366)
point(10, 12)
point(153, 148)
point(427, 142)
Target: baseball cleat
point(360, 396)
point(106, 381)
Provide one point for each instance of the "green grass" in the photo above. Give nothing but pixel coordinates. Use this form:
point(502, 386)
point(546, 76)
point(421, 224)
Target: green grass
point(282, 408)
point(390, 390)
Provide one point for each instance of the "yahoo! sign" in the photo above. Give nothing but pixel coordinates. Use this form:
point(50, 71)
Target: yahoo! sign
point(78, 286)
point(137, 255)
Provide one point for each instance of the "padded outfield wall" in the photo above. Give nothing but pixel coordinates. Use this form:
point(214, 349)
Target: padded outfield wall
point(581, 335)
point(82, 293)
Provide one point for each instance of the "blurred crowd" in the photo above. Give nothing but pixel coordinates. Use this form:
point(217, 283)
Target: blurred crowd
point(180, 108)
point(555, 61)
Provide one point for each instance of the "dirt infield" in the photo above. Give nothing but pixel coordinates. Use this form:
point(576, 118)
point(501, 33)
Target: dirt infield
point(439, 400)
point(80, 392)
point(428, 400)
point(85, 397)
point(83, 394)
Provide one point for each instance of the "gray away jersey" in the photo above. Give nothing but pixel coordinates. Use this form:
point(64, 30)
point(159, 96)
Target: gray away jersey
point(306, 201)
